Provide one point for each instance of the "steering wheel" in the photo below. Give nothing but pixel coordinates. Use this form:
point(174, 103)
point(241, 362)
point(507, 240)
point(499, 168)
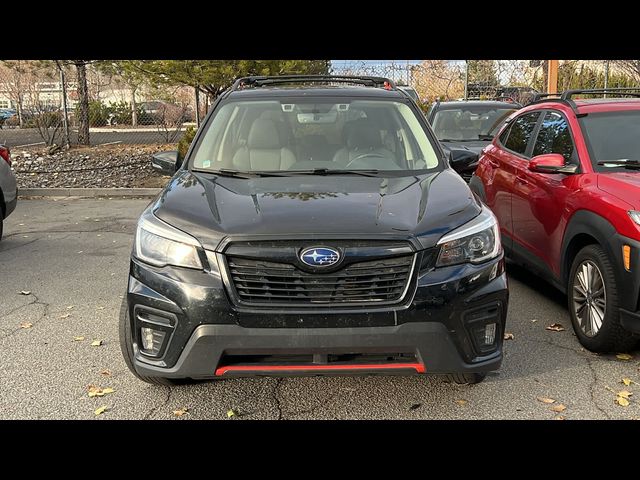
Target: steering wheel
point(363, 155)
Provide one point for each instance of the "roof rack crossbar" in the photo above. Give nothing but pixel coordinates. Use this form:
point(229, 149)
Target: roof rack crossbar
point(540, 96)
point(622, 91)
point(259, 81)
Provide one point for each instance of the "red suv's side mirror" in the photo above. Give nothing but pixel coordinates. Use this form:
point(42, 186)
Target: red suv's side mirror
point(551, 163)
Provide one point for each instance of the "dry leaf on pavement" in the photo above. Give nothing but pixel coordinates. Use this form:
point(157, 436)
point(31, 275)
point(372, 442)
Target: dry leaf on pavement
point(623, 356)
point(106, 372)
point(508, 336)
point(559, 417)
point(65, 315)
point(78, 339)
point(96, 343)
point(546, 400)
point(70, 307)
point(94, 391)
point(625, 394)
point(558, 408)
point(25, 292)
point(461, 402)
point(623, 402)
point(231, 413)
point(555, 327)
point(100, 411)
point(181, 411)
point(26, 325)
point(627, 381)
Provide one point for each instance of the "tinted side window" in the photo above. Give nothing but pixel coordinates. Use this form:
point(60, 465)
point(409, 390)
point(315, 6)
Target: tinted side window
point(505, 135)
point(521, 131)
point(554, 137)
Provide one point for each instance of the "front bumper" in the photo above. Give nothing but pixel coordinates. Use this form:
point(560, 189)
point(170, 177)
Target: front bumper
point(628, 282)
point(433, 327)
point(10, 204)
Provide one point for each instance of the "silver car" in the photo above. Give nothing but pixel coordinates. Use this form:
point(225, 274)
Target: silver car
point(8, 186)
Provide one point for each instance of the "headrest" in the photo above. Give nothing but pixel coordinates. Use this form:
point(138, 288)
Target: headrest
point(263, 134)
point(363, 135)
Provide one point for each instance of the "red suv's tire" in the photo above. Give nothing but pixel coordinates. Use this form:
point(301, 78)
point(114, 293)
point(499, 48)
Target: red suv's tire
point(592, 296)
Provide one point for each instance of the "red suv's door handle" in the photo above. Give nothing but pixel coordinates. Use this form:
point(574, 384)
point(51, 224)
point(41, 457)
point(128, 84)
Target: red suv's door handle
point(522, 180)
point(493, 163)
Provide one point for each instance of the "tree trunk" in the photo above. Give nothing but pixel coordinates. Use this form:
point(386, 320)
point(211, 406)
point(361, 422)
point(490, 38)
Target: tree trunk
point(83, 104)
point(134, 108)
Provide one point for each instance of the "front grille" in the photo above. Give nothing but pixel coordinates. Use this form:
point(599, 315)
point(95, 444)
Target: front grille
point(260, 282)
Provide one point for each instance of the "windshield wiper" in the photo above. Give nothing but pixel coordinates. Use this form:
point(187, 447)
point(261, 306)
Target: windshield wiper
point(226, 172)
point(458, 139)
point(335, 171)
point(620, 162)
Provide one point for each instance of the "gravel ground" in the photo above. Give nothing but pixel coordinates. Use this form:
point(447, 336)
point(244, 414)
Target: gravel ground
point(103, 166)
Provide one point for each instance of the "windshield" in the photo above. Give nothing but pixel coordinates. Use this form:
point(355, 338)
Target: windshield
point(469, 123)
point(612, 136)
point(305, 134)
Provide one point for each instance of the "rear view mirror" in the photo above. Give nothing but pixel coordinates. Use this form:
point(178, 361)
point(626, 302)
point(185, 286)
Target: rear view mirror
point(551, 163)
point(463, 161)
point(166, 162)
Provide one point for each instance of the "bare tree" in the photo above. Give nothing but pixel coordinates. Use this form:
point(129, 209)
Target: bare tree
point(17, 77)
point(170, 118)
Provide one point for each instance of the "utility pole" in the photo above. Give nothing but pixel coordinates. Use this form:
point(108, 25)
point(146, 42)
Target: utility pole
point(197, 92)
point(552, 76)
point(606, 76)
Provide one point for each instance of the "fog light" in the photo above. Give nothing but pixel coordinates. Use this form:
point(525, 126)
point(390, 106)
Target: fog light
point(152, 340)
point(490, 334)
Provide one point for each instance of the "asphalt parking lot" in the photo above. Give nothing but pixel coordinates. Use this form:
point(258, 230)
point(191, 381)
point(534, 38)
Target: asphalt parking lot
point(71, 256)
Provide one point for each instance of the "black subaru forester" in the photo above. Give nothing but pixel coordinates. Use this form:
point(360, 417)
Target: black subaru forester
point(315, 227)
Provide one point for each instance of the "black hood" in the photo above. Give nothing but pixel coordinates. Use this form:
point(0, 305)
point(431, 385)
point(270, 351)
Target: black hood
point(423, 207)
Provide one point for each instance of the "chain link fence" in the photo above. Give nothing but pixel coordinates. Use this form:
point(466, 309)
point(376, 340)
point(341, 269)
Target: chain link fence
point(39, 100)
point(518, 80)
point(39, 105)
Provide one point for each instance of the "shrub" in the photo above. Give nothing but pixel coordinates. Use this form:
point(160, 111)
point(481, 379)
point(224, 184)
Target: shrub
point(185, 142)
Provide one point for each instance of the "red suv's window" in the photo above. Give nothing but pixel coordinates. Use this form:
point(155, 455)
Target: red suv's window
point(554, 137)
point(520, 133)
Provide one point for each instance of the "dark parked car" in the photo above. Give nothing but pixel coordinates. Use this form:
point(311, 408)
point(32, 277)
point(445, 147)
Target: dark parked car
point(468, 126)
point(314, 228)
point(159, 111)
point(8, 188)
point(563, 178)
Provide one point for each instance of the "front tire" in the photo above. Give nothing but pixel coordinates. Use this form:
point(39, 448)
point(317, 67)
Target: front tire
point(592, 295)
point(126, 345)
point(465, 378)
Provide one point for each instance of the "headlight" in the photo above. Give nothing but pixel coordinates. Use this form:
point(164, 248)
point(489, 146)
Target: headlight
point(477, 241)
point(160, 244)
point(635, 216)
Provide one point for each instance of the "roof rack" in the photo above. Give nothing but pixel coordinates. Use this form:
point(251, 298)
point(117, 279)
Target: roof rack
point(543, 96)
point(624, 91)
point(261, 81)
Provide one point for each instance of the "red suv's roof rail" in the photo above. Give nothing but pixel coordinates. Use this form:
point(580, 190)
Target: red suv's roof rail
point(622, 92)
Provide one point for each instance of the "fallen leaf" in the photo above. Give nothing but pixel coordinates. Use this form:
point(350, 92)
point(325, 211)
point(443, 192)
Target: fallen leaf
point(25, 292)
point(70, 307)
point(558, 417)
point(231, 413)
point(26, 325)
point(78, 339)
point(627, 381)
point(623, 402)
point(106, 372)
point(80, 251)
point(180, 412)
point(415, 406)
point(509, 336)
point(99, 308)
point(65, 315)
point(555, 327)
point(625, 394)
point(96, 343)
point(558, 408)
point(461, 402)
point(100, 411)
point(623, 356)
point(534, 320)
point(108, 390)
point(94, 391)
point(546, 400)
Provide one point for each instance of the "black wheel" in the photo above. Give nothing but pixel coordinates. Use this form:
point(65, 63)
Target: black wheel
point(593, 303)
point(465, 378)
point(126, 345)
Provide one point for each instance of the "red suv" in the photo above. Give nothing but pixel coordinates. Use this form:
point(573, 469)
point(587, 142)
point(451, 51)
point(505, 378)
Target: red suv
point(563, 178)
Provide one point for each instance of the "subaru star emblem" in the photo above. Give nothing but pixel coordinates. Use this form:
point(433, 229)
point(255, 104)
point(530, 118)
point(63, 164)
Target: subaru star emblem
point(320, 256)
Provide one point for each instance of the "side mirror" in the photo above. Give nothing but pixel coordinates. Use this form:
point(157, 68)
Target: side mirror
point(166, 162)
point(463, 161)
point(551, 163)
